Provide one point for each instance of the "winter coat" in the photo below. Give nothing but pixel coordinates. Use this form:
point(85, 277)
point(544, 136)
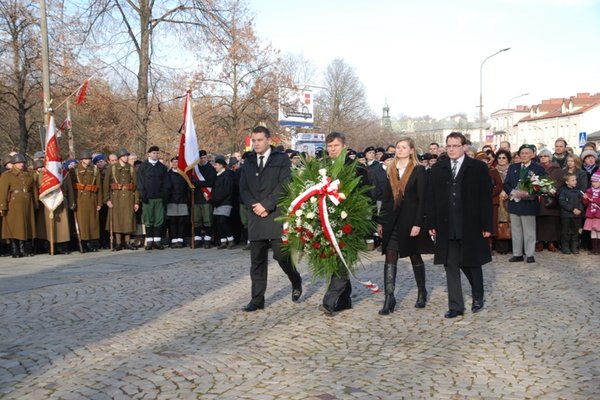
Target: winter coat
point(592, 204)
point(524, 206)
point(18, 199)
point(570, 199)
point(476, 218)
point(222, 191)
point(152, 182)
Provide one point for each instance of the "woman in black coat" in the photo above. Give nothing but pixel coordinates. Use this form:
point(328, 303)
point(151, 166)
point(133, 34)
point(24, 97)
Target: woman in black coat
point(401, 223)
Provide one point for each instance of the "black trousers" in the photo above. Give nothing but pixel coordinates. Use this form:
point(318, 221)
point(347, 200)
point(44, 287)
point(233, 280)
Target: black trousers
point(259, 260)
point(338, 291)
point(453, 268)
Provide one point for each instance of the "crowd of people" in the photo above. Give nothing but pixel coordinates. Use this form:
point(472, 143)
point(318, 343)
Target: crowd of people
point(496, 200)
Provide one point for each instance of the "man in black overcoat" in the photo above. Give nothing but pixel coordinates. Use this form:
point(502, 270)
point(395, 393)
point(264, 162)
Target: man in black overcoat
point(459, 216)
point(262, 180)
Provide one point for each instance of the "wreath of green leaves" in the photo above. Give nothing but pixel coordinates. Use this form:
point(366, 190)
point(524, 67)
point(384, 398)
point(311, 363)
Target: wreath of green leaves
point(351, 221)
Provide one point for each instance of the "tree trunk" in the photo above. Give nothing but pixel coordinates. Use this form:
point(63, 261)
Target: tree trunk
point(142, 111)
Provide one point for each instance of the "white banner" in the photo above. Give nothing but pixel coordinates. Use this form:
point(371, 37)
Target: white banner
point(296, 107)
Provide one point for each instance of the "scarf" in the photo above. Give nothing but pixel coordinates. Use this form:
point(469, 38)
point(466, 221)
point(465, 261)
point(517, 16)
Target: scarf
point(589, 168)
point(399, 184)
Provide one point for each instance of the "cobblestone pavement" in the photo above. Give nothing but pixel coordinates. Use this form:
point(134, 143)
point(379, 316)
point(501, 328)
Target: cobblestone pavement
point(169, 325)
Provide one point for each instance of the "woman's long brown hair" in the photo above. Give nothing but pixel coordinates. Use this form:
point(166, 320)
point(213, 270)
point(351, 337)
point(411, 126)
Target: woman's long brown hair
point(398, 185)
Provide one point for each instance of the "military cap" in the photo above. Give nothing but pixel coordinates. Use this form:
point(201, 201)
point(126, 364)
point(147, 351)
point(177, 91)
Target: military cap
point(122, 152)
point(153, 148)
point(85, 154)
point(368, 149)
point(38, 164)
point(379, 150)
point(18, 158)
point(6, 159)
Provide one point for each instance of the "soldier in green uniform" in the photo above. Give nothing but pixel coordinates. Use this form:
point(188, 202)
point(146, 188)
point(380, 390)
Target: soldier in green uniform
point(87, 184)
point(18, 198)
point(121, 197)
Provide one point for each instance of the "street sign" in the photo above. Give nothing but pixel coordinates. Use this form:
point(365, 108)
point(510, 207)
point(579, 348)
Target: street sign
point(582, 139)
point(296, 107)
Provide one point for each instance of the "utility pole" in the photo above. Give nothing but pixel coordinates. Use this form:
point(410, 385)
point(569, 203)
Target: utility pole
point(45, 66)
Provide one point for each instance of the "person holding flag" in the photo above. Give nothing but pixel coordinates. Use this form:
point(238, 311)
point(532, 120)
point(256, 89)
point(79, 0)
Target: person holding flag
point(200, 175)
point(18, 199)
point(57, 196)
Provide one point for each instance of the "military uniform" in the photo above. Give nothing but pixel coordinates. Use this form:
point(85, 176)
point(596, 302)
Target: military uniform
point(60, 222)
point(119, 188)
point(18, 198)
point(87, 186)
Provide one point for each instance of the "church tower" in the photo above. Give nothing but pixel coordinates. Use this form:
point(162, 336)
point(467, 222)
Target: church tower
point(386, 120)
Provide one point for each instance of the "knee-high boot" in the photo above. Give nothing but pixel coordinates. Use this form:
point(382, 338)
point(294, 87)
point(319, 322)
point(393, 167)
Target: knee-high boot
point(419, 271)
point(15, 248)
point(389, 279)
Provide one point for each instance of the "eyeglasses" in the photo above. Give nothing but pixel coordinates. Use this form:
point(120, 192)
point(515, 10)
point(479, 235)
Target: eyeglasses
point(544, 155)
point(454, 146)
point(502, 158)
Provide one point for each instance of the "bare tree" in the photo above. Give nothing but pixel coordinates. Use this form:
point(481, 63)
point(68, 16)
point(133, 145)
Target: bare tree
point(343, 105)
point(128, 33)
point(19, 71)
point(240, 77)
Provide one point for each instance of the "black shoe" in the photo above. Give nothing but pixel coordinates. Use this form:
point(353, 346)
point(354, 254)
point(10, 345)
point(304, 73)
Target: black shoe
point(253, 307)
point(158, 246)
point(516, 259)
point(149, 246)
point(477, 306)
point(421, 298)
point(246, 247)
point(207, 244)
point(345, 305)
point(222, 246)
point(129, 246)
point(197, 244)
point(530, 259)
point(326, 310)
point(453, 313)
point(296, 293)
point(389, 305)
point(117, 247)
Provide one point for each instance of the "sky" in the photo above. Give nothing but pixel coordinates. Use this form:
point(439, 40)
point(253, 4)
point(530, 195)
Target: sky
point(424, 56)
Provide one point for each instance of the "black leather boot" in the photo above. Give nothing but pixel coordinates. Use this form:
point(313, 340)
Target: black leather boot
point(419, 271)
point(389, 282)
point(26, 248)
point(575, 245)
point(15, 248)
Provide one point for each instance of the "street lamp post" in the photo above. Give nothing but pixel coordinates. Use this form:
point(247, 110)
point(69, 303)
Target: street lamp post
point(516, 97)
point(481, 93)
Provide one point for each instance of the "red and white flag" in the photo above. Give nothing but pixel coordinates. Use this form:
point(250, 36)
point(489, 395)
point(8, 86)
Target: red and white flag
point(81, 92)
point(188, 159)
point(50, 188)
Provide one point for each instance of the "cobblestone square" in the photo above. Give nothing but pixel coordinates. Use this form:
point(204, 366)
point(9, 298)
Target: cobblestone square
point(166, 325)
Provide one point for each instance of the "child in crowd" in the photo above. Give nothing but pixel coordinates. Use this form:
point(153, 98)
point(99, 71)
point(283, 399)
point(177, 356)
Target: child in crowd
point(571, 213)
point(591, 199)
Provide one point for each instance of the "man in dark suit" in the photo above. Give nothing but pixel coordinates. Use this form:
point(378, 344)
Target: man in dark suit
point(339, 291)
point(263, 177)
point(459, 217)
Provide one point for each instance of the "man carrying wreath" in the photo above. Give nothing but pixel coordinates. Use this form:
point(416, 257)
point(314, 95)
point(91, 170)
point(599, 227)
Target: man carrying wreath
point(338, 294)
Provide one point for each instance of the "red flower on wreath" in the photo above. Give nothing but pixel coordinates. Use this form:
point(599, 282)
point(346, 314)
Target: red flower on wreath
point(309, 234)
point(322, 255)
point(299, 229)
point(316, 245)
point(302, 239)
point(347, 229)
point(341, 244)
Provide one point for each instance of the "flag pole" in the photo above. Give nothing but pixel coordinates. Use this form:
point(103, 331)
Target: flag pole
point(51, 233)
point(69, 129)
point(74, 91)
point(193, 213)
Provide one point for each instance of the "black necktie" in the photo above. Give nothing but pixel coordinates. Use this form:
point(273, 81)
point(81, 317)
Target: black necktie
point(260, 164)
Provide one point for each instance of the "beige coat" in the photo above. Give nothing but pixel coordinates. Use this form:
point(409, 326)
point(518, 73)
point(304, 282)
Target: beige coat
point(87, 186)
point(119, 187)
point(18, 198)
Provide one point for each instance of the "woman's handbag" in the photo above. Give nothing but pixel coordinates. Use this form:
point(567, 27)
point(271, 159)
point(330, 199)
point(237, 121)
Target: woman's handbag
point(503, 231)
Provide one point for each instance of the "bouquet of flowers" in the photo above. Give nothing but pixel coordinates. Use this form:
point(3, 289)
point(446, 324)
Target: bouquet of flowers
point(531, 186)
point(328, 216)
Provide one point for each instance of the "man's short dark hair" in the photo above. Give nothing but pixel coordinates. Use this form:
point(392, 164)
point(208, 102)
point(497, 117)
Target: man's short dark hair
point(457, 135)
point(561, 140)
point(335, 135)
point(434, 143)
point(262, 129)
